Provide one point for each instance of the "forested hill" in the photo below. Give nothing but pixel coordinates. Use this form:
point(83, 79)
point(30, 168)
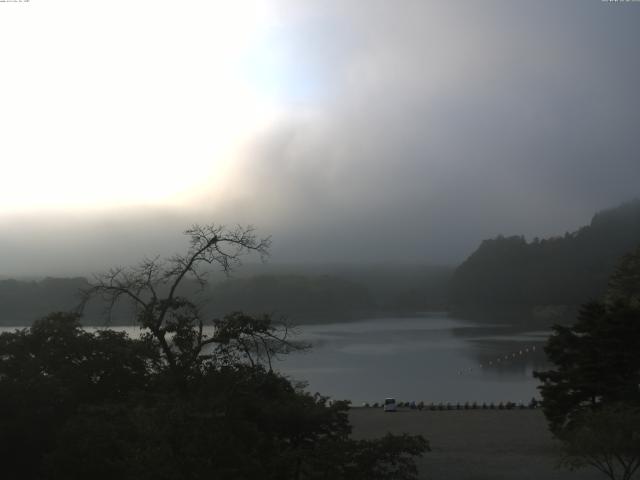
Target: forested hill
point(304, 293)
point(21, 302)
point(509, 272)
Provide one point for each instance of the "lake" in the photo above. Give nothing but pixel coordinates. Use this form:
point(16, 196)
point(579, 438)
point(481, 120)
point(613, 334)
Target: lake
point(431, 357)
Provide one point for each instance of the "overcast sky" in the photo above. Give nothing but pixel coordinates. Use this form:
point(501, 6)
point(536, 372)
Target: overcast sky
point(386, 131)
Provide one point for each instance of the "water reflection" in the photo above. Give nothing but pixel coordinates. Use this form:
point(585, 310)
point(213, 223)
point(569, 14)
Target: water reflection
point(433, 358)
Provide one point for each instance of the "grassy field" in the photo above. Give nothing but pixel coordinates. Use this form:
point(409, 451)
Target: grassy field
point(475, 444)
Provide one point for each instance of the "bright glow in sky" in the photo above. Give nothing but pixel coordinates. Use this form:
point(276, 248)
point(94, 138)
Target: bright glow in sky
point(124, 103)
point(424, 124)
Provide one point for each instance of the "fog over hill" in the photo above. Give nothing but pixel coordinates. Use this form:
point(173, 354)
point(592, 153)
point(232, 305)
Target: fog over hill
point(399, 134)
point(548, 278)
point(563, 271)
point(424, 171)
point(296, 293)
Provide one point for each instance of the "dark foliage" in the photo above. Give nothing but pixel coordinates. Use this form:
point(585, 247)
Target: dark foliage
point(23, 301)
point(596, 359)
point(181, 402)
point(297, 296)
point(49, 372)
point(596, 362)
point(607, 439)
point(592, 398)
point(509, 272)
point(306, 293)
point(77, 405)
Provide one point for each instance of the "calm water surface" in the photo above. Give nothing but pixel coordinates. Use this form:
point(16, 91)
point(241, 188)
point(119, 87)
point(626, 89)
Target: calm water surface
point(433, 357)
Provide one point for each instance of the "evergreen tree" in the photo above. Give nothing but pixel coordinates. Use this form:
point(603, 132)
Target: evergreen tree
point(592, 398)
point(596, 360)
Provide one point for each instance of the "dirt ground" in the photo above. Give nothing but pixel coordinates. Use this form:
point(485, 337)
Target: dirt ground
point(475, 444)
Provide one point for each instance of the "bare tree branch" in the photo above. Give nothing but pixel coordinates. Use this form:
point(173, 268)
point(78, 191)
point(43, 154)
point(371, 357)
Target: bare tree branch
point(152, 286)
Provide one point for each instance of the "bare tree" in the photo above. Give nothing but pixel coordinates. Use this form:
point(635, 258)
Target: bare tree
point(175, 322)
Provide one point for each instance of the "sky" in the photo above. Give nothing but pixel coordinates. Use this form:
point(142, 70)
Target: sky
point(350, 131)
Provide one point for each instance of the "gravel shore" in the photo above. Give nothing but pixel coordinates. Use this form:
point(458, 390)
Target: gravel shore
point(475, 444)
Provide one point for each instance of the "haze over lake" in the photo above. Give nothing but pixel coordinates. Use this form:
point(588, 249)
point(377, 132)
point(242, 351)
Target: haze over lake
point(432, 357)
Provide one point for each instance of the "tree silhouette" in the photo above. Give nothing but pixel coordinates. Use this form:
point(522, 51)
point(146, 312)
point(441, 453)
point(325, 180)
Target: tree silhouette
point(179, 403)
point(597, 378)
point(152, 289)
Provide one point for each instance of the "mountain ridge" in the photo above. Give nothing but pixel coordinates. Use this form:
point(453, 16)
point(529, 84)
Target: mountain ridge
point(510, 272)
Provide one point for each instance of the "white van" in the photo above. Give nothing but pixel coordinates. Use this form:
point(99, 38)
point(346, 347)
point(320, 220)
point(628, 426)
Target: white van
point(390, 405)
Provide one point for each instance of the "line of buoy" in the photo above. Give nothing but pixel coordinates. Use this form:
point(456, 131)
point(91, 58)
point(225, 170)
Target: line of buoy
point(499, 360)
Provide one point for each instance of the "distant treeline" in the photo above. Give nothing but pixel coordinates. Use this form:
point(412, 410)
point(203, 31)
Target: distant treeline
point(510, 273)
point(301, 295)
point(505, 275)
point(22, 302)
